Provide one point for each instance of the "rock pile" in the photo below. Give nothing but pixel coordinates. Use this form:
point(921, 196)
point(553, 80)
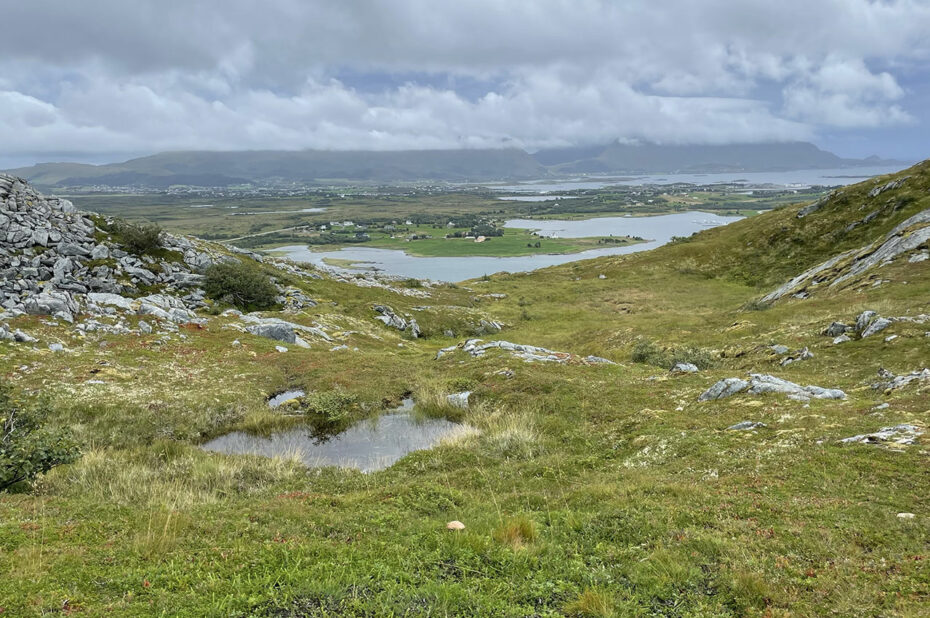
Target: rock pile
point(52, 262)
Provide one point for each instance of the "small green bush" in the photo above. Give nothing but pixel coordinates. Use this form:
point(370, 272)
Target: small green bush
point(27, 448)
point(333, 405)
point(139, 238)
point(239, 283)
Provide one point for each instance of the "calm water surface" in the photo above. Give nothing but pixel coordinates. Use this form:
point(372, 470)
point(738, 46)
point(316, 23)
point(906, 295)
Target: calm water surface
point(368, 446)
point(658, 230)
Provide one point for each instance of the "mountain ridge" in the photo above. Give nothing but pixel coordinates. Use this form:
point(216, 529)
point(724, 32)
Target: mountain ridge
point(279, 167)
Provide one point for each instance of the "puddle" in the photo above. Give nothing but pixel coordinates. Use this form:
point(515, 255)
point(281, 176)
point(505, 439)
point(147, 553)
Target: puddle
point(280, 398)
point(368, 446)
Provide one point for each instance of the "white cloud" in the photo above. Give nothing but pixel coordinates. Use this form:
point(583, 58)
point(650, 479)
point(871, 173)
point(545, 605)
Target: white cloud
point(107, 76)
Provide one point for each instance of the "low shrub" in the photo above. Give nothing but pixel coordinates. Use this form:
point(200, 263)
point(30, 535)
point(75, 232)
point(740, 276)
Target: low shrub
point(138, 238)
point(27, 447)
point(239, 283)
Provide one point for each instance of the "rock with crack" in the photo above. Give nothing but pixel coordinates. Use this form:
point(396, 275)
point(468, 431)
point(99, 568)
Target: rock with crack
point(759, 384)
point(684, 368)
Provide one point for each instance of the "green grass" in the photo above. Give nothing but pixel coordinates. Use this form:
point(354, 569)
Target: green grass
point(586, 490)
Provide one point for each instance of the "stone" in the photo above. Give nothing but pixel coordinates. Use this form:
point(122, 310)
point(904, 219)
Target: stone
point(56, 347)
point(903, 434)
point(835, 329)
point(684, 368)
point(100, 252)
point(459, 400)
point(863, 320)
point(779, 349)
point(842, 339)
point(455, 525)
point(278, 332)
point(724, 388)
point(877, 325)
point(70, 248)
point(112, 300)
point(145, 327)
point(746, 425)
point(905, 516)
point(280, 348)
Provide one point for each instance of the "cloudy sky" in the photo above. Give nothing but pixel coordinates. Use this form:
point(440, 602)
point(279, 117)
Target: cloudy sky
point(103, 80)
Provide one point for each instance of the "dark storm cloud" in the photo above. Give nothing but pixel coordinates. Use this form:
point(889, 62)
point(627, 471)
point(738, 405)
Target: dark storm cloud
point(117, 76)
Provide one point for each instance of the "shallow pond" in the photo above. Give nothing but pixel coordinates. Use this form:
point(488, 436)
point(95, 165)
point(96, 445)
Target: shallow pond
point(368, 446)
point(659, 230)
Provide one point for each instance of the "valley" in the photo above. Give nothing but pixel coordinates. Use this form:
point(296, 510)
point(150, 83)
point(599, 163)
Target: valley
point(660, 433)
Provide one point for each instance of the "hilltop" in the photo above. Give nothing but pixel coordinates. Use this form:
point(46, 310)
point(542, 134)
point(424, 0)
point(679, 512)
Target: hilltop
point(732, 424)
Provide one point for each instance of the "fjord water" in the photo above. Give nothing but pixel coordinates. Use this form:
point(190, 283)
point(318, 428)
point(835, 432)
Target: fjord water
point(792, 179)
point(657, 230)
point(368, 446)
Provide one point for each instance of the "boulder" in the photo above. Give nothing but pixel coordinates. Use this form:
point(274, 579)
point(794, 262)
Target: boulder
point(684, 368)
point(877, 325)
point(278, 332)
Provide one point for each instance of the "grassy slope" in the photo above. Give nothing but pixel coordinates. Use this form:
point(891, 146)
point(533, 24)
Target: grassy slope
point(596, 490)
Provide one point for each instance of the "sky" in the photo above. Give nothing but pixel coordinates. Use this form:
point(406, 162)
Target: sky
point(105, 80)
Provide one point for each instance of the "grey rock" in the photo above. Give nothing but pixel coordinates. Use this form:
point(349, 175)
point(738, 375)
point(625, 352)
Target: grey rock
point(684, 368)
point(70, 249)
point(864, 319)
point(898, 434)
point(780, 349)
point(724, 388)
point(100, 252)
point(145, 327)
point(878, 325)
point(278, 332)
point(459, 400)
point(760, 384)
point(835, 329)
point(841, 339)
point(746, 425)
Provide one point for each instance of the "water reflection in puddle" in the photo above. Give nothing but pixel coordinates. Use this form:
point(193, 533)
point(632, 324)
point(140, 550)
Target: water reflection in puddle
point(280, 398)
point(368, 446)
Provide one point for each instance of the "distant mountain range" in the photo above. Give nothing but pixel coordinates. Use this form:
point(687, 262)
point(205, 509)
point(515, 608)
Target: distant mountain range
point(276, 167)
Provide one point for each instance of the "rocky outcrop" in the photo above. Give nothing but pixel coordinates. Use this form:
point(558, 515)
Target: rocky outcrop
point(759, 384)
point(392, 319)
point(52, 261)
point(909, 235)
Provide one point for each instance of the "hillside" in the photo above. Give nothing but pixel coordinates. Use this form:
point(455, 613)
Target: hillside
point(637, 435)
